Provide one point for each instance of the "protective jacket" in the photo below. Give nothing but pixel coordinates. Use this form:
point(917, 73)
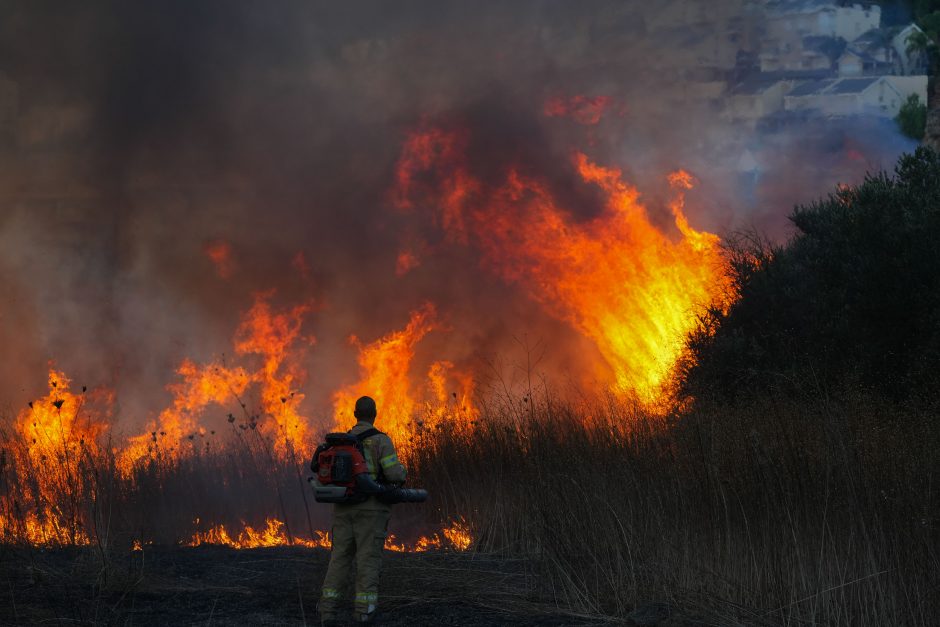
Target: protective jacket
point(383, 464)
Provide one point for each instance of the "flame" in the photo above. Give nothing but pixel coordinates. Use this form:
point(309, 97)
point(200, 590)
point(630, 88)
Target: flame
point(456, 536)
point(455, 407)
point(200, 387)
point(385, 367)
point(59, 434)
point(406, 262)
point(420, 152)
point(385, 364)
point(249, 538)
point(586, 110)
point(628, 286)
point(56, 424)
point(262, 332)
point(271, 335)
point(220, 254)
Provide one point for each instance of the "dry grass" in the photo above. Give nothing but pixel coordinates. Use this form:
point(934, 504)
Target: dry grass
point(780, 512)
point(75, 493)
point(783, 511)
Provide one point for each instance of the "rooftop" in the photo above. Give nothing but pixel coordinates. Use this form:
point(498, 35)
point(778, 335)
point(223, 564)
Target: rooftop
point(835, 87)
point(852, 85)
point(782, 7)
point(753, 85)
point(811, 87)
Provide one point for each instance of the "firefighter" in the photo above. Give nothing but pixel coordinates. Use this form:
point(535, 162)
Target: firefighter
point(359, 530)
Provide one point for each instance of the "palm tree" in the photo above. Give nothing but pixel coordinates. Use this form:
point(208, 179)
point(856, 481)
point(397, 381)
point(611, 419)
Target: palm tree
point(921, 48)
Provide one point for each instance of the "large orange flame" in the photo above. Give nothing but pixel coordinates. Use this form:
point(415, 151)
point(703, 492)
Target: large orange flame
point(270, 335)
point(200, 387)
point(405, 408)
point(625, 284)
point(61, 433)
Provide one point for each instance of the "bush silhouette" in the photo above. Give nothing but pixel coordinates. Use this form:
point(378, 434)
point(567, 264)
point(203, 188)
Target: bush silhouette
point(851, 301)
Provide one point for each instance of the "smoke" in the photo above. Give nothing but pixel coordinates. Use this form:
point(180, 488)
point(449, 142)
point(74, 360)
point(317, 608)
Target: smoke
point(145, 136)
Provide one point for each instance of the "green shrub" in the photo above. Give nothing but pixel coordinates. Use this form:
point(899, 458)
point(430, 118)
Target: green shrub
point(912, 118)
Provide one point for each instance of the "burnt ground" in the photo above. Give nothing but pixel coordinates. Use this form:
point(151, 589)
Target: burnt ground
point(212, 585)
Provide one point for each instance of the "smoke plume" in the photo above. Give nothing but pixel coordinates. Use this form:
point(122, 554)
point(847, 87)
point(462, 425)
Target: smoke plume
point(163, 163)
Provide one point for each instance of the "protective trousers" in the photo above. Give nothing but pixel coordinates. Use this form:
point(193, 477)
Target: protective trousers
point(358, 537)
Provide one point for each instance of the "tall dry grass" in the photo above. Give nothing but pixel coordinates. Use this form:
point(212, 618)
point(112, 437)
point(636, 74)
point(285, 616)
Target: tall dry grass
point(75, 492)
point(781, 511)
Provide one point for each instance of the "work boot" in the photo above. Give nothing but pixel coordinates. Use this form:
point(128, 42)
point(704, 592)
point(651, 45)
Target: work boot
point(364, 619)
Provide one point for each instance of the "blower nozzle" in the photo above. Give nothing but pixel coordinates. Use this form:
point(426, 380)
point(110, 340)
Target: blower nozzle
point(366, 486)
point(404, 495)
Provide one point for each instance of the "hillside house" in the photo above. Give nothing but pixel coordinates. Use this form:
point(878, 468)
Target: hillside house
point(855, 63)
point(789, 19)
point(813, 52)
point(756, 98)
point(873, 95)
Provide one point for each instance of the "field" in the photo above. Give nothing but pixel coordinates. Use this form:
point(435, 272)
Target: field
point(270, 586)
point(659, 335)
point(779, 512)
point(782, 511)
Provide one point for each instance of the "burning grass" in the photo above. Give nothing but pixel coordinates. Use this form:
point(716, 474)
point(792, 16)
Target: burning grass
point(63, 483)
point(783, 511)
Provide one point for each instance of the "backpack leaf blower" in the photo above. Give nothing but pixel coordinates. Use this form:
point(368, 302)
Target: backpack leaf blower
point(341, 474)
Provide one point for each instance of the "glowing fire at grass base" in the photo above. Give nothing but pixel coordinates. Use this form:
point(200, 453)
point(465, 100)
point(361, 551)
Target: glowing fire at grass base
point(455, 537)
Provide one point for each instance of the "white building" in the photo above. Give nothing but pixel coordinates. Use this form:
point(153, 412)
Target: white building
point(808, 53)
point(872, 95)
point(811, 35)
point(756, 98)
point(801, 18)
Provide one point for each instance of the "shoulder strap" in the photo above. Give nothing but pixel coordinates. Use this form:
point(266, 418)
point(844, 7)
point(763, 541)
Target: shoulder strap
point(368, 433)
point(373, 465)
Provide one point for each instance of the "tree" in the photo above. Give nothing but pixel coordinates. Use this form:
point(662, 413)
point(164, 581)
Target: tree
point(852, 301)
point(927, 18)
point(912, 118)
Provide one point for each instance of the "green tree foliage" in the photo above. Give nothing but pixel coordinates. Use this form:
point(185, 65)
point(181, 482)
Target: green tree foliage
point(853, 300)
point(930, 24)
point(912, 118)
point(925, 7)
point(927, 17)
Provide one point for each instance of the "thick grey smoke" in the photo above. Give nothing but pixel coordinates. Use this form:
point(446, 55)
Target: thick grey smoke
point(143, 133)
